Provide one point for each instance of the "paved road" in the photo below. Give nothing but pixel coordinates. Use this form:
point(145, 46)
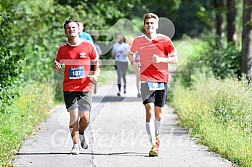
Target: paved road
point(118, 138)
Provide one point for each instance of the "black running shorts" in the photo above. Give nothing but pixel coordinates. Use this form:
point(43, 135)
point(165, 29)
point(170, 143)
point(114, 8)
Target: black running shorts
point(158, 97)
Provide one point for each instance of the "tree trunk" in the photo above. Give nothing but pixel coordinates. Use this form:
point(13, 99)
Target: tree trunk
point(246, 59)
point(231, 13)
point(219, 7)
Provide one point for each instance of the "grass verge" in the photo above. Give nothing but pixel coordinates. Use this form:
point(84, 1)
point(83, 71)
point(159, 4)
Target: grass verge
point(21, 117)
point(220, 114)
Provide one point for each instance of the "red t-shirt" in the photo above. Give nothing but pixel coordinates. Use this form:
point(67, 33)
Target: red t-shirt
point(161, 45)
point(77, 60)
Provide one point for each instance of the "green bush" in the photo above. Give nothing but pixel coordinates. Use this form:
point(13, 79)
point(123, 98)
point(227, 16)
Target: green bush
point(219, 60)
point(11, 57)
point(224, 61)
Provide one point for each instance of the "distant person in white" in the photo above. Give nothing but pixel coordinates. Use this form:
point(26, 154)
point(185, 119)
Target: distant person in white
point(120, 51)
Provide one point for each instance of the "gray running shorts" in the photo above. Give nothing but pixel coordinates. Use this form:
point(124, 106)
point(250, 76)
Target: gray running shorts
point(80, 100)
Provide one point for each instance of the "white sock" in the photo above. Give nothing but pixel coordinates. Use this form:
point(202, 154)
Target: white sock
point(150, 128)
point(157, 126)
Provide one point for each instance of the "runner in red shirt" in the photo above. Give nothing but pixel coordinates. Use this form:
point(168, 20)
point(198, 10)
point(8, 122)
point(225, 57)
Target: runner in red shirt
point(77, 56)
point(156, 51)
point(77, 59)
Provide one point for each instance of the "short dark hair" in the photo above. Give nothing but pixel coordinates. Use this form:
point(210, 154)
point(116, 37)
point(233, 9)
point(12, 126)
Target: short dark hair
point(69, 21)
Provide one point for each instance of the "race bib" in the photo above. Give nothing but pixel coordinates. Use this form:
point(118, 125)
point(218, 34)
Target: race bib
point(76, 73)
point(155, 86)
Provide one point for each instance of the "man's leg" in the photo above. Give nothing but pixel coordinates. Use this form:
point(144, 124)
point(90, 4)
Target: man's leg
point(158, 122)
point(84, 122)
point(150, 127)
point(70, 102)
point(84, 102)
point(74, 129)
point(160, 101)
point(158, 118)
point(148, 98)
point(73, 125)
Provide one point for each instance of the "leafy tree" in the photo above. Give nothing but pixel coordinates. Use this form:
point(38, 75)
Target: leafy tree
point(193, 18)
point(162, 8)
point(108, 9)
point(11, 56)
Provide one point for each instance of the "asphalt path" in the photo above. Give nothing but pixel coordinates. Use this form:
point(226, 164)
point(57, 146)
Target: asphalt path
point(117, 137)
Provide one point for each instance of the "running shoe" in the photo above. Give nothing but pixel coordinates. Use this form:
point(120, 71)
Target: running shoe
point(153, 152)
point(157, 140)
point(84, 141)
point(75, 150)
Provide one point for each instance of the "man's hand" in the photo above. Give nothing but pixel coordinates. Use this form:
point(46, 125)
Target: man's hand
point(156, 59)
point(93, 78)
point(57, 66)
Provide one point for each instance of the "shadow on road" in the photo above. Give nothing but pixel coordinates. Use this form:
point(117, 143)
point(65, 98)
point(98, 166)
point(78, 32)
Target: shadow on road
point(106, 99)
point(102, 154)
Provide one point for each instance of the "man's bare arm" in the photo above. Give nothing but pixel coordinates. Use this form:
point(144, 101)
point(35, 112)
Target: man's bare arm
point(171, 59)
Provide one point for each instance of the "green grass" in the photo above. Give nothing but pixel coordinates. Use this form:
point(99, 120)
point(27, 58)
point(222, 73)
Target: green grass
point(232, 143)
point(220, 114)
point(22, 116)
